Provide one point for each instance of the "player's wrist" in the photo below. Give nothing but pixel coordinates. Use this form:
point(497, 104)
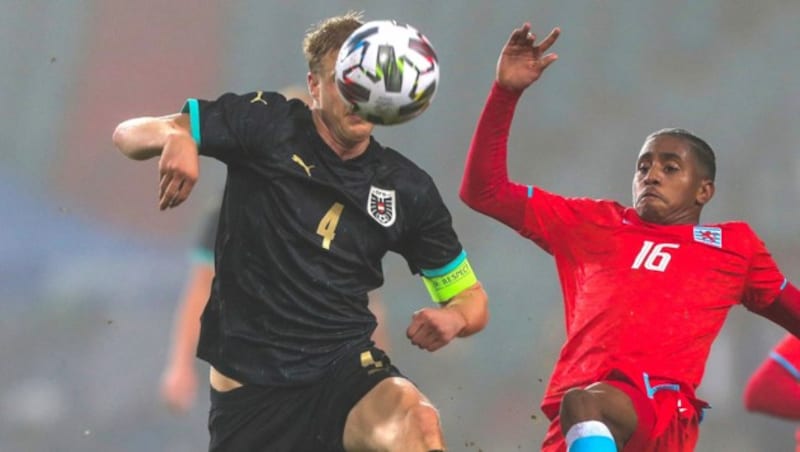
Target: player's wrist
point(503, 92)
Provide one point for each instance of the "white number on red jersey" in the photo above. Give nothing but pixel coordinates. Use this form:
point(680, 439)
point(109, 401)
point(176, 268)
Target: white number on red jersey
point(653, 257)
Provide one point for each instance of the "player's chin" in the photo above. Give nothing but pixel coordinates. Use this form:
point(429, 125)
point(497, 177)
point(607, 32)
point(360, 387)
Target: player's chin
point(359, 128)
point(649, 213)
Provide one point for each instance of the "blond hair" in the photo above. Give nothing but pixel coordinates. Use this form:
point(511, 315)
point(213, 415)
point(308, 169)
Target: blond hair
point(328, 36)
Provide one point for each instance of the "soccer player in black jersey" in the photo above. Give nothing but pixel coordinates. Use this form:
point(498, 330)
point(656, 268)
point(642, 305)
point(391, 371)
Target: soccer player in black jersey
point(179, 380)
point(312, 203)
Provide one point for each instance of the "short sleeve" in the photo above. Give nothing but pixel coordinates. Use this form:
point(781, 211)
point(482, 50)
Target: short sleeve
point(234, 127)
point(431, 242)
point(764, 280)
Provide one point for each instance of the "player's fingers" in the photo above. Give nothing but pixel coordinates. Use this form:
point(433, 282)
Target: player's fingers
point(163, 182)
point(519, 34)
point(185, 189)
point(178, 198)
point(548, 59)
point(414, 326)
point(549, 39)
point(432, 343)
point(436, 345)
point(170, 192)
point(426, 337)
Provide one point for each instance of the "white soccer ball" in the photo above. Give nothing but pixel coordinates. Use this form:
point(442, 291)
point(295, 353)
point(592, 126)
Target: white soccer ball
point(388, 72)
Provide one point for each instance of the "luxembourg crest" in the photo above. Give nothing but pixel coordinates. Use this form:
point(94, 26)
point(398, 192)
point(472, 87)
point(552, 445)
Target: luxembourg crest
point(380, 205)
point(708, 235)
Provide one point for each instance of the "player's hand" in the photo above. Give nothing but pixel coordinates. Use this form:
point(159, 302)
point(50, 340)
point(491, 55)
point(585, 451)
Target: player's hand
point(178, 388)
point(432, 329)
point(522, 61)
point(178, 168)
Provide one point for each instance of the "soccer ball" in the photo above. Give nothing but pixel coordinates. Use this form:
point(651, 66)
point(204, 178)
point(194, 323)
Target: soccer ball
point(387, 72)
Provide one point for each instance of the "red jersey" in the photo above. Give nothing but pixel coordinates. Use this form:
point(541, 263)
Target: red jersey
point(787, 354)
point(642, 296)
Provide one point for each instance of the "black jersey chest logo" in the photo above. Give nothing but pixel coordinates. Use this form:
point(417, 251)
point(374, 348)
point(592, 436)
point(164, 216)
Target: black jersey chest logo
point(381, 205)
point(299, 160)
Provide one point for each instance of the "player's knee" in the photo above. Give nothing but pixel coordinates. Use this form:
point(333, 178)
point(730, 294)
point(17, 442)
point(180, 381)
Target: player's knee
point(422, 419)
point(578, 405)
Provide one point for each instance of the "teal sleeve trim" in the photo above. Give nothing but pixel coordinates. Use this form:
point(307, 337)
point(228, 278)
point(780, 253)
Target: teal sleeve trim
point(530, 191)
point(193, 108)
point(785, 283)
point(783, 362)
point(447, 268)
point(202, 256)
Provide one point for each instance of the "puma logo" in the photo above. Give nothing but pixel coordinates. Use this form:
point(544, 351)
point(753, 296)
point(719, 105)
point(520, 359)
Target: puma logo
point(258, 98)
point(296, 158)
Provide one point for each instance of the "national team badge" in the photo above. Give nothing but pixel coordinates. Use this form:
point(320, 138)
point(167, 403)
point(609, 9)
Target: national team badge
point(380, 205)
point(708, 235)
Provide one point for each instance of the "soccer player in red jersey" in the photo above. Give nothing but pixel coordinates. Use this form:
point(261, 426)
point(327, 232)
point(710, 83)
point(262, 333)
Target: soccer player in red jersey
point(646, 288)
point(774, 388)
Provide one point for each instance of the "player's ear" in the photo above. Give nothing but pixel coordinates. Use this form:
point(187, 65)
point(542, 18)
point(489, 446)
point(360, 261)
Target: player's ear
point(313, 81)
point(705, 192)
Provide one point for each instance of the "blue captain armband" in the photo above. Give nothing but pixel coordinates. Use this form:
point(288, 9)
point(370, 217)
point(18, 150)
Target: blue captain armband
point(447, 282)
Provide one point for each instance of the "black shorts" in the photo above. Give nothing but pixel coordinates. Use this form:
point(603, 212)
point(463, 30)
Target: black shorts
point(256, 418)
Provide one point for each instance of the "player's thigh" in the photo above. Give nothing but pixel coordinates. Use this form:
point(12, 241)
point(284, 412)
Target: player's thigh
point(618, 408)
point(393, 410)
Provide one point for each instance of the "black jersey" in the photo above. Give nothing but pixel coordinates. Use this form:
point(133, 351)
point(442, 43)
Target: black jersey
point(301, 237)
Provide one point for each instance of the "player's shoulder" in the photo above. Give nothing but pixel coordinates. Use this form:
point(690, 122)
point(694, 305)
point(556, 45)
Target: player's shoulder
point(254, 101)
point(599, 209)
point(737, 234)
point(400, 167)
point(738, 227)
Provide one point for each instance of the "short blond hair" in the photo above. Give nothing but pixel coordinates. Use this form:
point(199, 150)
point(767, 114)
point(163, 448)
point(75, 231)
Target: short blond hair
point(328, 36)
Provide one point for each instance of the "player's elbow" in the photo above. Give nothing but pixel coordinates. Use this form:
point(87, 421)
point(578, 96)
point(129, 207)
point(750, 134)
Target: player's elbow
point(473, 198)
point(124, 139)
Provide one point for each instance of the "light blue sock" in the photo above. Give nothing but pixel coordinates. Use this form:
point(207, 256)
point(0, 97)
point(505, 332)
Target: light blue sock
point(590, 436)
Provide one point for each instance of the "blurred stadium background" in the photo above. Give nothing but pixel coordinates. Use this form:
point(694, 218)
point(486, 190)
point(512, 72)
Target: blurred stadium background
point(90, 271)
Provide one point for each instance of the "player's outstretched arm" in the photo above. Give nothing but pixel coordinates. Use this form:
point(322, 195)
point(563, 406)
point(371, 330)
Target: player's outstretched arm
point(168, 136)
point(485, 186)
point(463, 315)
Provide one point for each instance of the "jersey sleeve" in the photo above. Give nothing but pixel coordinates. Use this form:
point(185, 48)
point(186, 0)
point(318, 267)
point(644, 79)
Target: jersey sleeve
point(235, 128)
point(550, 218)
point(787, 354)
point(764, 280)
point(431, 242)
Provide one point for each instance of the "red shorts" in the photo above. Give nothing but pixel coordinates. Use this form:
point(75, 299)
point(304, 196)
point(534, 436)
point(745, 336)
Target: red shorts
point(668, 421)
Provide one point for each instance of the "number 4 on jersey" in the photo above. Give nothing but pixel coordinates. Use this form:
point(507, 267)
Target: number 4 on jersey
point(653, 257)
point(327, 225)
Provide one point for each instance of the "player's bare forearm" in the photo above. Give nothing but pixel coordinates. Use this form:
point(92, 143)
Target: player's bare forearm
point(144, 138)
point(473, 305)
point(464, 315)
